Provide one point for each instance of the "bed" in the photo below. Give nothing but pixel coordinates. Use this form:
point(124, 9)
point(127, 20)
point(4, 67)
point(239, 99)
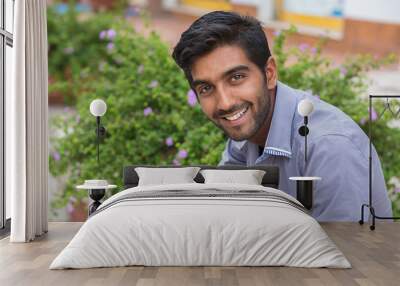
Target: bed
point(201, 224)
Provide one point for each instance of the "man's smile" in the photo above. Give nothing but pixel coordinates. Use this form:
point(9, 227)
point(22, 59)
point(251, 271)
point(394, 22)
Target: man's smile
point(238, 114)
point(236, 118)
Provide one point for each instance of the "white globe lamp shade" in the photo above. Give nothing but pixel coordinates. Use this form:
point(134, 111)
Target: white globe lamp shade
point(98, 107)
point(305, 107)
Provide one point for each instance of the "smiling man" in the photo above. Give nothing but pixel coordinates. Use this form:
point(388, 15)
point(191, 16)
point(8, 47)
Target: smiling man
point(227, 62)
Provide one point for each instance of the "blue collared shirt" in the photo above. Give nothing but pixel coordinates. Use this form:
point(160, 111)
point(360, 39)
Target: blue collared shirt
point(337, 151)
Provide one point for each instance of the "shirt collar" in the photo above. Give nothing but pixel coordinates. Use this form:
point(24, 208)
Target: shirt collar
point(280, 134)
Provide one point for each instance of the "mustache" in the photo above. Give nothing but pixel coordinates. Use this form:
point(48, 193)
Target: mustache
point(222, 113)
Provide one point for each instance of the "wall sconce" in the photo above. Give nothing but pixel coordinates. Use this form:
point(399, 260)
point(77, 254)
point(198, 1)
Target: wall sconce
point(304, 187)
point(98, 108)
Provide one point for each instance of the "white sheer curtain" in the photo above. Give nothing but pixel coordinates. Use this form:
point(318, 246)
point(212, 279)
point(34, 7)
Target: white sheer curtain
point(26, 123)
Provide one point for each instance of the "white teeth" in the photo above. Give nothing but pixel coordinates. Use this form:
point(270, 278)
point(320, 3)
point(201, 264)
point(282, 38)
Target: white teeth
point(237, 115)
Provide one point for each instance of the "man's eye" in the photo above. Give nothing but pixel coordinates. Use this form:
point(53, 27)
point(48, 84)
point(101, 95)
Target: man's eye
point(237, 77)
point(204, 89)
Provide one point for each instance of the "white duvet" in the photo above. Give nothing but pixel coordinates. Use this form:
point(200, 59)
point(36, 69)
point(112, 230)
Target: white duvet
point(183, 231)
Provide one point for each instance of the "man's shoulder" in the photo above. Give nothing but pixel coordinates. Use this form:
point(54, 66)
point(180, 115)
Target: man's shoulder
point(329, 125)
point(337, 130)
point(327, 119)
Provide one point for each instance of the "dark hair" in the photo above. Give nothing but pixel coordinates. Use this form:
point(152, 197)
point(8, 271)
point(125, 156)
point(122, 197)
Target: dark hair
point(217, 29)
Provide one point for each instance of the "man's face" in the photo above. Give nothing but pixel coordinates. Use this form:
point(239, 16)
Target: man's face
point(232, 91)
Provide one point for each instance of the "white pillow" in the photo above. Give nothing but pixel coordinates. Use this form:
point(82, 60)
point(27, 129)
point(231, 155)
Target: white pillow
point(163, 176)
point(249, 177)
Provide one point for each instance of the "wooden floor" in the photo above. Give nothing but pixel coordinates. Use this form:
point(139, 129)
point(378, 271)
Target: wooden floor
point(374, 255)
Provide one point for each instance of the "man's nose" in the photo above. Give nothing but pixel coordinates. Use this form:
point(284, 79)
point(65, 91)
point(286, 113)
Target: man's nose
point(225, 99)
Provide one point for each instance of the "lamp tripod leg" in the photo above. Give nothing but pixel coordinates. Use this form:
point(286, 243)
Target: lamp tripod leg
point(372, 210)
point(361, 221)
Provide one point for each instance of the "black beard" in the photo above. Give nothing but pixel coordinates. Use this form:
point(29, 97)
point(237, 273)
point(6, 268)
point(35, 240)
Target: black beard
point(264, 103)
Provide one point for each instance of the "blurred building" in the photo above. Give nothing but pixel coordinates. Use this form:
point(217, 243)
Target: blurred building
point(371, 26)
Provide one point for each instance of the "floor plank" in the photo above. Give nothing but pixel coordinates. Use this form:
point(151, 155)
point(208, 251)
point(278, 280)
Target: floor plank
point(374, 255)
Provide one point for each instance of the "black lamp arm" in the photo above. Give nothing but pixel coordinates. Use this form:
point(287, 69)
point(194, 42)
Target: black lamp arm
point(100, 130)
point(100, 133)
point(98, 138)
point(303, 131)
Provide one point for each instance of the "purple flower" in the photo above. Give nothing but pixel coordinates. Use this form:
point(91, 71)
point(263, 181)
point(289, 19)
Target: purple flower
point(140, 69)
point(374, 115)
point(343, 71)
point(69, 50)
point(303, 47)
point(70, 208)
point(137, 10)
point(192, 98)
point(176, 162)
point(102, 35)
point(169, 141)
point(153, 84)
point(147, 111)
point(397, 190)
point(70, 205)
point(111, 34)
point(67, 109)
point(277, 33)
point(56, 156)
point(317, 96)
point(110, 46)
point(182, 154)
point(314, 50)
point(77, 119)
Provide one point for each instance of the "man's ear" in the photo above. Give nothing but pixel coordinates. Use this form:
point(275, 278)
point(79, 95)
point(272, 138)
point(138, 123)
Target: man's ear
point(271, 73)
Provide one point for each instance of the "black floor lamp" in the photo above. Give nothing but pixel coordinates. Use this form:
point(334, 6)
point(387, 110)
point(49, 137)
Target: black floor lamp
point(370, 203)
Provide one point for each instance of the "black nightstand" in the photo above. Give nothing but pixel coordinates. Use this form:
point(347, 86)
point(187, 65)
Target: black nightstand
point(97, 190)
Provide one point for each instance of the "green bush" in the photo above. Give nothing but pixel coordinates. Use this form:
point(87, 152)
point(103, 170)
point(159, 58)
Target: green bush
point(75, 47)
point(153, 117)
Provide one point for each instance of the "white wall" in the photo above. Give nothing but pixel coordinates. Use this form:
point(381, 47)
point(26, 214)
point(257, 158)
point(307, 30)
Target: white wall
point(248, 2)
point(168, 4)
point(387, 11)
point(265, 8)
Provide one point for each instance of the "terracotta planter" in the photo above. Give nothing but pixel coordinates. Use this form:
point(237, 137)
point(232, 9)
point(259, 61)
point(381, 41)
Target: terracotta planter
point(79, 212)
point(55, 98)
